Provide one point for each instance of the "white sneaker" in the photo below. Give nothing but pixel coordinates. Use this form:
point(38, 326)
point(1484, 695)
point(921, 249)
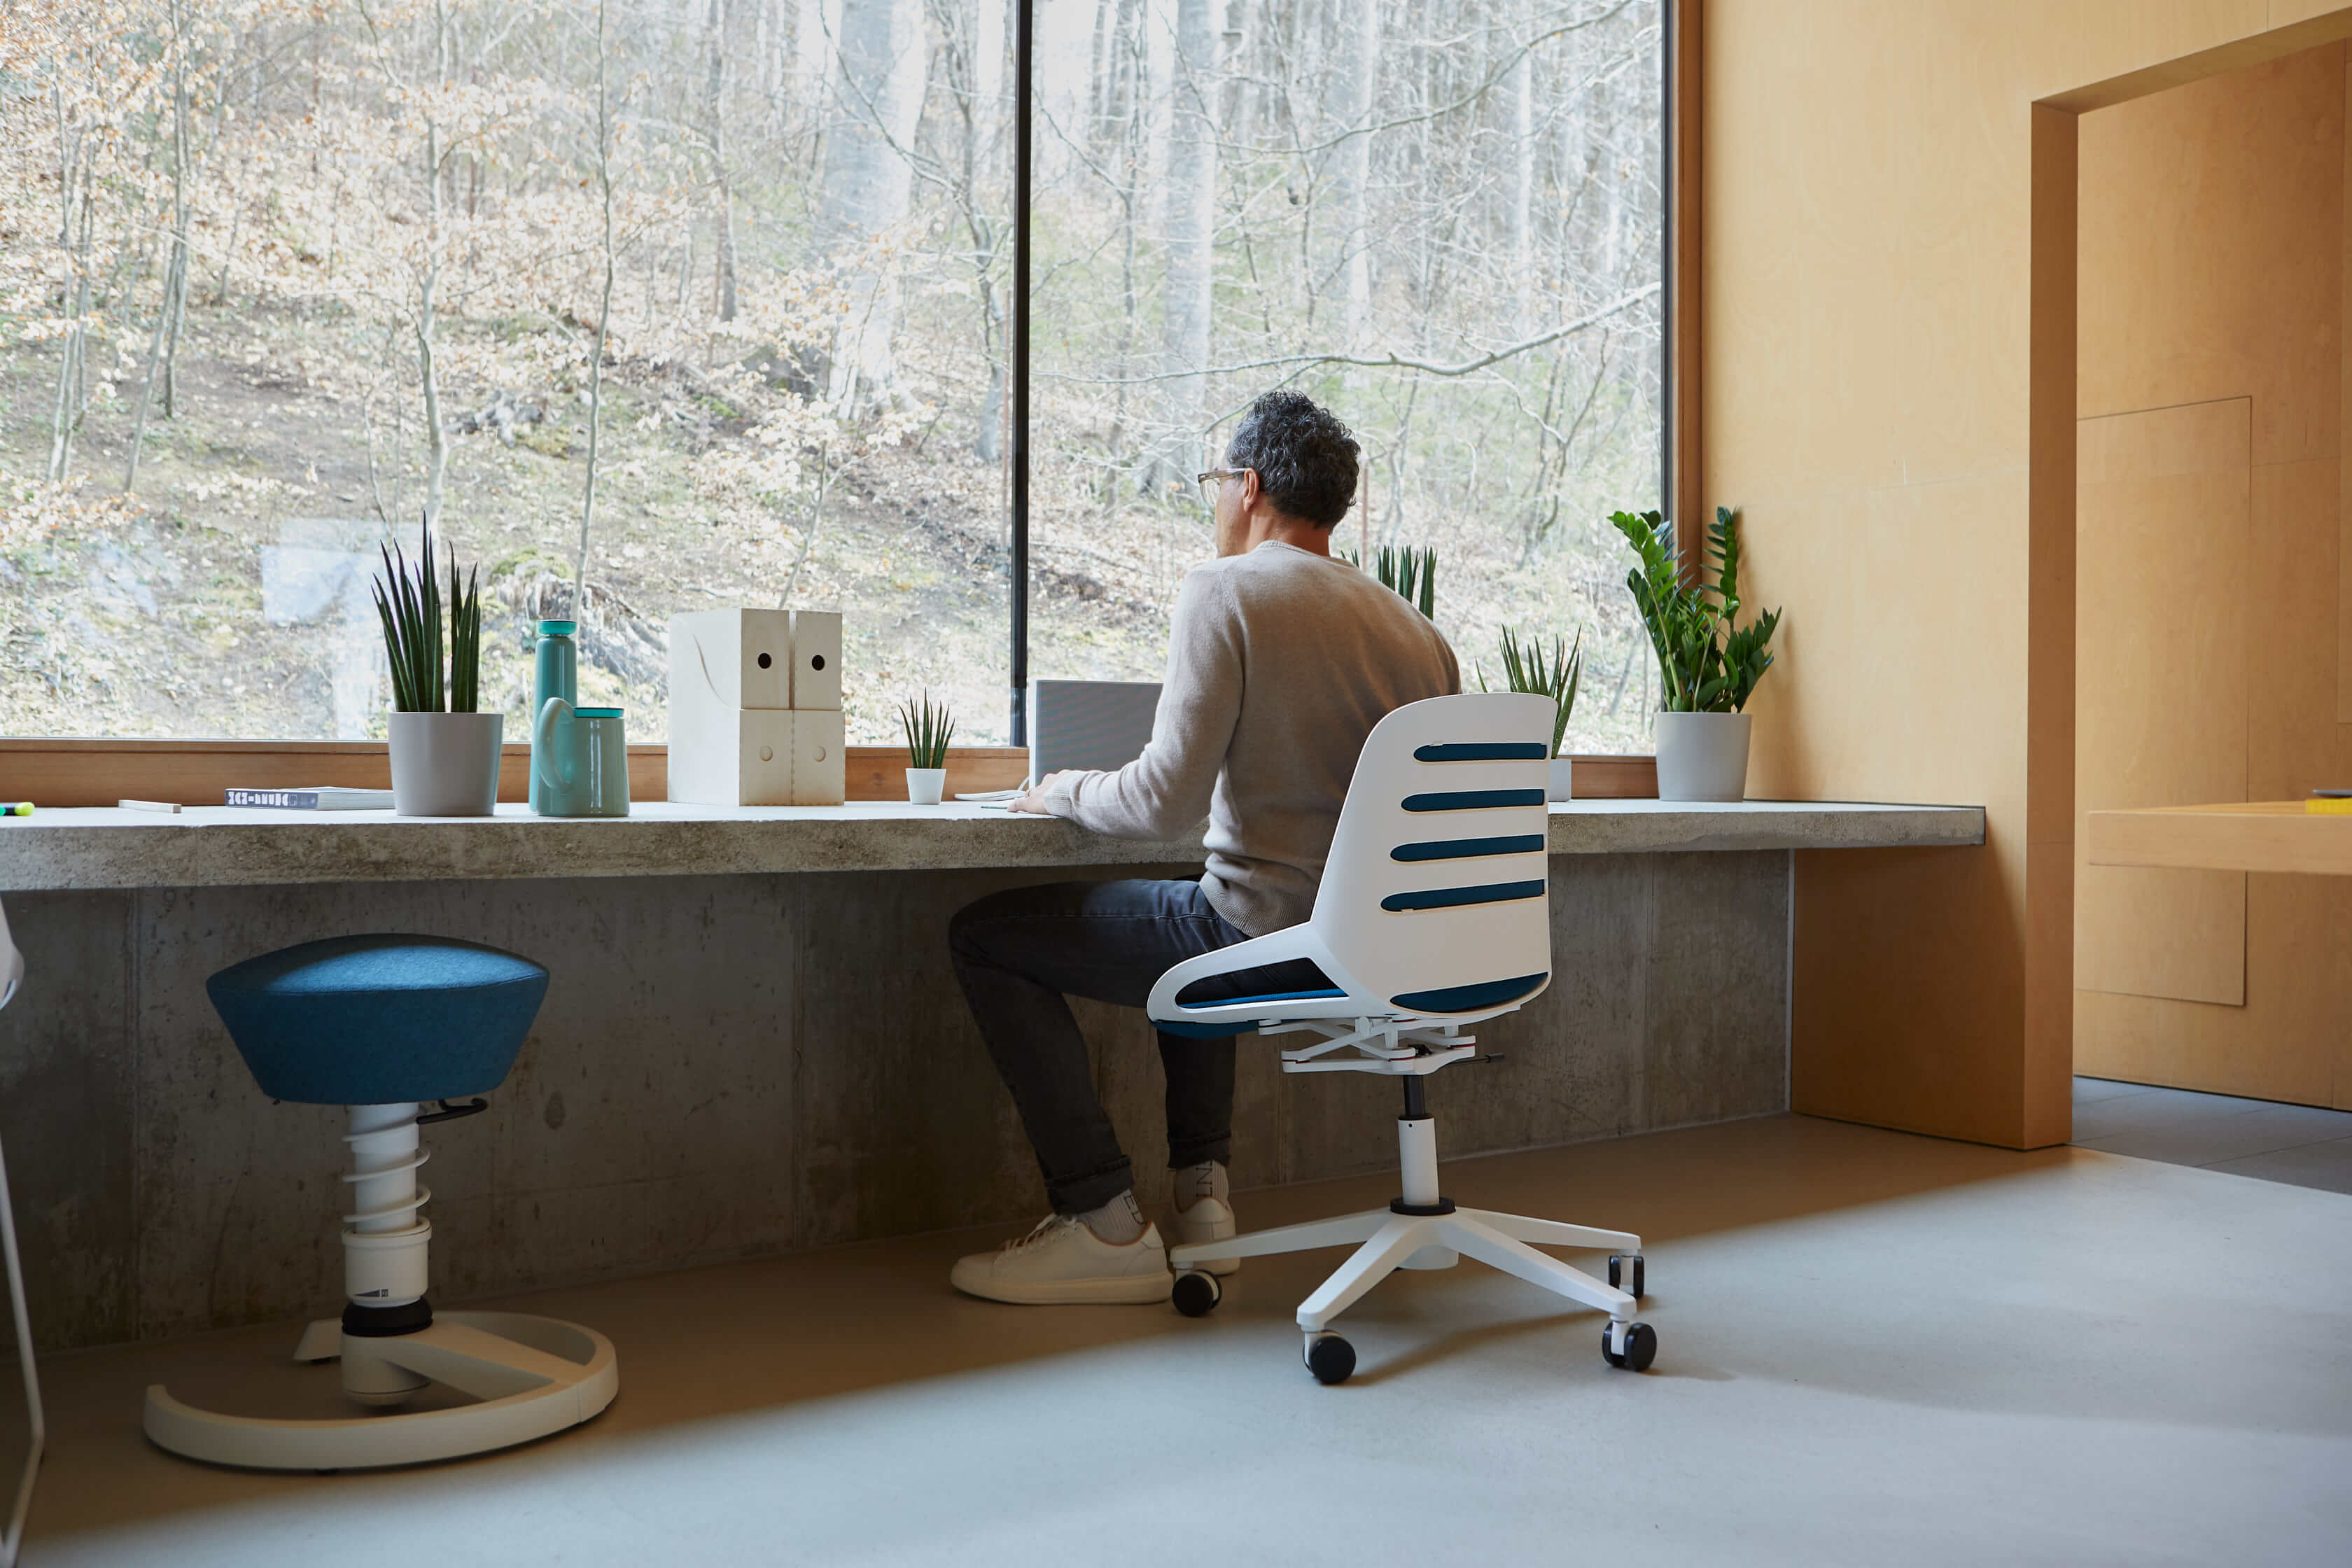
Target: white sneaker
point(1063, 1260)
point(1210, 1219)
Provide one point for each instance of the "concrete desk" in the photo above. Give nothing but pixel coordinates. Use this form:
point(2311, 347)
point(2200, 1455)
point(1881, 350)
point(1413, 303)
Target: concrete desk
point(208, 846)
point(754, 1041)
point(2247, 835)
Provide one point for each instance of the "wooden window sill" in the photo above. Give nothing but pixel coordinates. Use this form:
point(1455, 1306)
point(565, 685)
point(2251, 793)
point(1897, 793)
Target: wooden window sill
point(99, 771)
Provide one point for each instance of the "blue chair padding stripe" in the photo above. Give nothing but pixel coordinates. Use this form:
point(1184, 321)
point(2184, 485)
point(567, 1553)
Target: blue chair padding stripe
point(1467, 849)
point(1469, 998)
point(374, 1020)
point(1483, 751)
point(1473, 799)
point(1192, 1031)
point(1453, 897)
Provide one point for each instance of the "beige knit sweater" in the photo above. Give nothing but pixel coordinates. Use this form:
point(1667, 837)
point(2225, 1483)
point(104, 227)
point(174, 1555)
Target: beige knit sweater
point(1279, 664)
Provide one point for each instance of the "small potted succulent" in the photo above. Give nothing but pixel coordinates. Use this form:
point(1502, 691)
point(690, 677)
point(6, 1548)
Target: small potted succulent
point(445, 755)
point(1550, 672)
point(1707, 666)
point(929, 730)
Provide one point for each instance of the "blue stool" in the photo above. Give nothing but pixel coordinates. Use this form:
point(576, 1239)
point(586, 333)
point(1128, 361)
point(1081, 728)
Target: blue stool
point(383, 1025)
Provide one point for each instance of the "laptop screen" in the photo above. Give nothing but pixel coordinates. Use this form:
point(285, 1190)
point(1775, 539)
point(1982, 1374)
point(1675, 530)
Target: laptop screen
point(1091, 725)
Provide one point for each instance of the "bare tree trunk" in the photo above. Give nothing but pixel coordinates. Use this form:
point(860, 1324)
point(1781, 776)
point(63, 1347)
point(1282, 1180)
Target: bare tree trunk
point(147, 388)
point(603, 315)
point(75, 295)
point(714, 105)
point(877, 94)
point(1348, 275)
point(1123, 100)
point(1192, 218)
point(974, 53)
point(175, 289)
point(1520, 226)
point(428, 366)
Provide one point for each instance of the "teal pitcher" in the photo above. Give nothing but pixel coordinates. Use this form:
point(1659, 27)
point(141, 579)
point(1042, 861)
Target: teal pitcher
point(554, 673)
point(580, 761)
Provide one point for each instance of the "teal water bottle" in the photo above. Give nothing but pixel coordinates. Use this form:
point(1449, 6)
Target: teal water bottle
point(555, 673)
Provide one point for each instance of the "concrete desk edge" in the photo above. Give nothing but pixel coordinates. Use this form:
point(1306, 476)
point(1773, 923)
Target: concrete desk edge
point(95, 848)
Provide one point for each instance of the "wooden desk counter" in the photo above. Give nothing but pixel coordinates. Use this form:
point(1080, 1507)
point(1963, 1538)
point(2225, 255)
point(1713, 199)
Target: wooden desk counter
point(2248, 835)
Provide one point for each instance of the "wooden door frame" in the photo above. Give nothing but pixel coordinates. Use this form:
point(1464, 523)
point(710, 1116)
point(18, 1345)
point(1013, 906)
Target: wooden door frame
point(2051, 526)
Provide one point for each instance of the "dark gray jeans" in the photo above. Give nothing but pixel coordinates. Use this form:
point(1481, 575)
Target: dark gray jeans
point(1019, 952)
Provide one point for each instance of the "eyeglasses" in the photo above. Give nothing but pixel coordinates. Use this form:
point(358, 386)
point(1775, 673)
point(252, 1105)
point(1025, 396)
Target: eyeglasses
point(1219, 475)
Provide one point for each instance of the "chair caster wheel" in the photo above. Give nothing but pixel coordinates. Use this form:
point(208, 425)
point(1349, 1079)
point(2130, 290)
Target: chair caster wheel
point(1640, 1347)
point(1330, 1358)
point(1196, 1293)
point(1617, 1261)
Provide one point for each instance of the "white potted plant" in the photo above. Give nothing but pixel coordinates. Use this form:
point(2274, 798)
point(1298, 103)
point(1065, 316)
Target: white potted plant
point(929, 730)
point(1550, 672)
point(445, 755)
point(1707, 666)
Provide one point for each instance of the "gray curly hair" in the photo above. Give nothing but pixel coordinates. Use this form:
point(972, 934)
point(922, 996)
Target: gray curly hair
point(1305, 458)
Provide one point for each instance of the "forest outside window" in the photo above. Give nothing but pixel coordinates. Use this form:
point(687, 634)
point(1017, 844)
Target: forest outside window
point(659, 305)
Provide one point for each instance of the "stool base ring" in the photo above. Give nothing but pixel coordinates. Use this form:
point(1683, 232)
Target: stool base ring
point(531, 1376)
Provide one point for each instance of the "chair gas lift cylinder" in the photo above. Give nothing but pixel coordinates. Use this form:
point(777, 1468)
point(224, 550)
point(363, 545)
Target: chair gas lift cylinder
point(1436, 887)
point(386, 1025)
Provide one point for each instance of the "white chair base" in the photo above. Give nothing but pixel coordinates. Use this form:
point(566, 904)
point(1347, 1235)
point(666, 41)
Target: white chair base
point(531, 1376)
point(1422, 1230)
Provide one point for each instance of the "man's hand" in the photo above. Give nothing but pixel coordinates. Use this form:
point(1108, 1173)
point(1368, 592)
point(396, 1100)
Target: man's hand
point(1034, 801)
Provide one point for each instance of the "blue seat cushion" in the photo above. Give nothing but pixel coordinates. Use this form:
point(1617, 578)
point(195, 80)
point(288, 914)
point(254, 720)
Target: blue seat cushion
point(374, 1020)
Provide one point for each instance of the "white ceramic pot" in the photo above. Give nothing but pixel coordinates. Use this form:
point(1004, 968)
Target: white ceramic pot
point(1701, 756)
point(445, 764)
point(1563, 780)
point(925, 785)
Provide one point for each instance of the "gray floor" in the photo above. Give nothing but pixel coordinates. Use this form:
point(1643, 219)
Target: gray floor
point(2298, 1144)
point(1873, 1347)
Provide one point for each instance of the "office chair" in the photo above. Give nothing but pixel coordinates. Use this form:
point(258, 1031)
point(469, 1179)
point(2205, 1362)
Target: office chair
point(12, 975)
point(384, 1025)
point(1433, 916)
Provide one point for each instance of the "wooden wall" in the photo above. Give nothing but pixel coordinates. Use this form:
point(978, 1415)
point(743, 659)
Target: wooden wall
point(2212, 283)
point(1889, 390)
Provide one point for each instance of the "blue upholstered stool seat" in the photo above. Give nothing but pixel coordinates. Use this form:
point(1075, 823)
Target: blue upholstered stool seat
point(375, 1020)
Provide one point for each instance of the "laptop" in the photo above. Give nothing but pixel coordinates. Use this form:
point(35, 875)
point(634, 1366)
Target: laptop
point(1085, 724)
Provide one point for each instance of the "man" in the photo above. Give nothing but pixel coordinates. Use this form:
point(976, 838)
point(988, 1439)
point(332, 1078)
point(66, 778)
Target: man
point(1280, 661)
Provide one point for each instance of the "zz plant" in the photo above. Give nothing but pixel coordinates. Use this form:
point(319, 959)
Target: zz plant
point(1706, 663)
point(409, 603)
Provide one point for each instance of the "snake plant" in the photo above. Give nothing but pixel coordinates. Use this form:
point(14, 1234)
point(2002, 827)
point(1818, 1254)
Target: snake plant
point(409, 603)
point(1550, 672)
point(929, 730)
point(1410, 575)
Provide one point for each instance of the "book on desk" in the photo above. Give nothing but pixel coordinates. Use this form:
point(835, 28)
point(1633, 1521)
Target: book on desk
point(311, 797)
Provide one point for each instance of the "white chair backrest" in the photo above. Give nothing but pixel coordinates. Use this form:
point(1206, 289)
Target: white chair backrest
point(1434, 897)
point(12, 962)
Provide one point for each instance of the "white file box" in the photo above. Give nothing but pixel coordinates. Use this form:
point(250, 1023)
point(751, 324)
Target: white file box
point(816, 660)
point(734, 658)
point(820, 758)
point(742, 757)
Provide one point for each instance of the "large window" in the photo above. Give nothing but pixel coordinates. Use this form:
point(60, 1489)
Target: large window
point(657, 305)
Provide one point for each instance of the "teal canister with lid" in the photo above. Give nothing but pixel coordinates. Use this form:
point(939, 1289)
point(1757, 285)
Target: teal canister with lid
point(555, 673)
